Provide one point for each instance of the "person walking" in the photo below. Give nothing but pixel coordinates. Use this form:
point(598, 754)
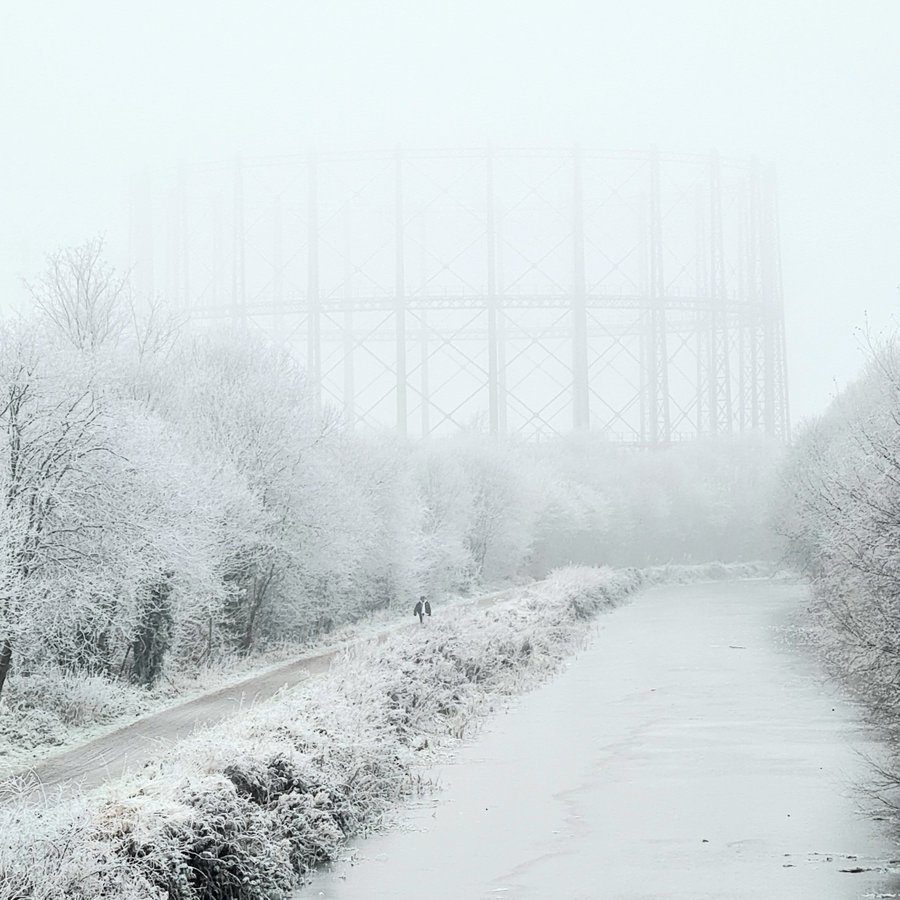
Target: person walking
point(422, 609)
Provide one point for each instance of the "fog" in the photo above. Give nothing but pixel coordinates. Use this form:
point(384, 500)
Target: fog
point(617, 265)
point(96, 93)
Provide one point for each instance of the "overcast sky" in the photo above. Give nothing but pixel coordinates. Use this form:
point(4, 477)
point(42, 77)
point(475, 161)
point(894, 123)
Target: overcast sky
point(93, 91)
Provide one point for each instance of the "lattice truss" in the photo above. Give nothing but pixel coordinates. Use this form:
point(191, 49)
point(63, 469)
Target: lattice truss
point(527, 292)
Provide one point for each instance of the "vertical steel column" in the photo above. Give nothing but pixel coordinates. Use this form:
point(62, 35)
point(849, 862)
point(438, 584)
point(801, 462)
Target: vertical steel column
point(134, 227)
point(783, 418)
point(776, 415)
point(219, 297)
point(349, 370)
point(142, 235)
point(702, 327)
point(490, 236)
point(581, 413)
point(645, 345)
point(313, 324)
point(171, 271)
point(184, 279)
point(658, 359)
point(754, 295)
point(742, 405)
point(399, 296)
point(501, 318)
point(769, 313)
point(423, 374)
point(238, 270)
point(720, 376)
point(277, 267)
point(424, 346)
point(278, 253)
point(349, 338)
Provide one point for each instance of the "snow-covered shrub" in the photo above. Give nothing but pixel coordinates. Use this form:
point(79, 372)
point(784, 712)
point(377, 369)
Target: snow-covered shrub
point(690, 574)
point(75, 699)
point(24, 727)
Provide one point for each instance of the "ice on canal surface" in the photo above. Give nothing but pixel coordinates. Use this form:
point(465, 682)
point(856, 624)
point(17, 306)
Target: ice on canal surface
point(692, 751)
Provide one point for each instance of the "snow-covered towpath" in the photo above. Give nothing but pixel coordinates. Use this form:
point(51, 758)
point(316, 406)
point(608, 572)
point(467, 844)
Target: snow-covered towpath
point(690, 752)
point(130, 746)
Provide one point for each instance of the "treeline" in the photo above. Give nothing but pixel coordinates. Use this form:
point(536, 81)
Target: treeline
point(170, 497)
point(840, 516)
point(698, 501)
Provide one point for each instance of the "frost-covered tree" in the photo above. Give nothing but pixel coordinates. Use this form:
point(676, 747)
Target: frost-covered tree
point(504, 506)
point(246, 402)
point(82, 296)
point(446, 498)
point(840, 516)
point(53, 429)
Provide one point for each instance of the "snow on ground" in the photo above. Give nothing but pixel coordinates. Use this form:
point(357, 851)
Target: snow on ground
point(693, 751)
point(149, 721)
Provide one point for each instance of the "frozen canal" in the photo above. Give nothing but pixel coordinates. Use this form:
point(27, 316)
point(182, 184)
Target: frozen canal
point(690, 752)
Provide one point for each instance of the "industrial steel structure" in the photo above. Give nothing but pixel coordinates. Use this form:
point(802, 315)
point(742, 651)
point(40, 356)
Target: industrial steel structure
point(637, 294)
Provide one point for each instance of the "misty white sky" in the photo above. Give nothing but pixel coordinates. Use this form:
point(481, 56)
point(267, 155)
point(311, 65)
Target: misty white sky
point(95, 90)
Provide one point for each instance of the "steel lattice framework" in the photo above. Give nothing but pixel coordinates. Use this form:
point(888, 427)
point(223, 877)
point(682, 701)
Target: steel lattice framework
point(637, 294)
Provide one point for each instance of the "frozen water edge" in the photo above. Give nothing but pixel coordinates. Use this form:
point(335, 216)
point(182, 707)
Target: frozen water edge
point(689, 752)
